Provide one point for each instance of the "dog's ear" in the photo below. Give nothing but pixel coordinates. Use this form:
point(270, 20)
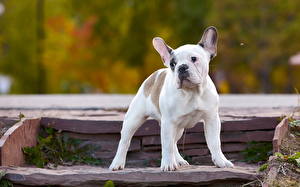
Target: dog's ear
point(209, 41)
point(163, 49)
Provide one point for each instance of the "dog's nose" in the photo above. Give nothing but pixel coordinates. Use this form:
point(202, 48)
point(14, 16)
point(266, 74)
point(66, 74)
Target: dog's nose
point(182, 71)
point(182, 68)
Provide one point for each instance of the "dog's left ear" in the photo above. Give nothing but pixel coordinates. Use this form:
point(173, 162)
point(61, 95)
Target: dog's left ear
point(209, 41)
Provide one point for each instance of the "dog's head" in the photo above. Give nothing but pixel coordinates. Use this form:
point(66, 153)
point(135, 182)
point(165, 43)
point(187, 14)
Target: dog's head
point(189, 63)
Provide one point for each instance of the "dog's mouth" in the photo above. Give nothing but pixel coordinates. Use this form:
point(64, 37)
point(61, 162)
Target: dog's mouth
point(186, 83)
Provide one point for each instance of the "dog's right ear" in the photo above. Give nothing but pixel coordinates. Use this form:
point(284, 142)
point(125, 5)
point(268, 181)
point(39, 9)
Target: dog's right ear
point(163, 49)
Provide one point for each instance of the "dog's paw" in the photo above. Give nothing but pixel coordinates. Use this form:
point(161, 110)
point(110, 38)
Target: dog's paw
point(222, 163)
point(168, 165)
point(115, 165)
point(181, 162)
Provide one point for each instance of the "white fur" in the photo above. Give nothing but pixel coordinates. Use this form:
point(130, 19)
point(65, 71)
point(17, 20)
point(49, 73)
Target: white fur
point(179, 109)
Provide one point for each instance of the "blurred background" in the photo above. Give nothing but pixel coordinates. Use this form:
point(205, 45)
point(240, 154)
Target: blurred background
point(92, 46)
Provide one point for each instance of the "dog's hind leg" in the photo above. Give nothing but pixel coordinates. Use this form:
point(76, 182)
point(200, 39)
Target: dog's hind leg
point(180, 161)
point(134, 118)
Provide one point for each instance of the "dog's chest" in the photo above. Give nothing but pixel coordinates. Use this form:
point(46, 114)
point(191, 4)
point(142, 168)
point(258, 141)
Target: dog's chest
point(189, 120)
point(187, 110)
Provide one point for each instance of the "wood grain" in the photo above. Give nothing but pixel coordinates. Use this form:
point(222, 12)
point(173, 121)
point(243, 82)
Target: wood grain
point(22, 134)
point(280, 133)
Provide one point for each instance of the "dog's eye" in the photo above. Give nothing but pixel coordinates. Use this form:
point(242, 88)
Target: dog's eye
point(193, 59)
point(172, 64)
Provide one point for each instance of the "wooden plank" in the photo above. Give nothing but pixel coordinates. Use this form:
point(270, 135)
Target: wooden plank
point(83, 126)
point(22, 134)
point(280, 133)
point(79, 176)
point(151, 127)
point(226, 137)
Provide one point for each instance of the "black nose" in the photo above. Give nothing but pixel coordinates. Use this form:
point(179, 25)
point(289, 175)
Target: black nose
point(182, 71)
point(182, 68)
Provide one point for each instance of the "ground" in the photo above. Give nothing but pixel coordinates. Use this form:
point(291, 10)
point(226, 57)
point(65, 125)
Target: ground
point(283, 171)
point(88, 107)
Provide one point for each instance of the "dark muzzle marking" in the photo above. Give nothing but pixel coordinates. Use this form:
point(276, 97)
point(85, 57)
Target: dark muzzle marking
point(182, 72)
point(182, 68)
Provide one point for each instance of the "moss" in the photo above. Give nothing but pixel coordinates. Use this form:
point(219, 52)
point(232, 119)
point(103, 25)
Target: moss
point(109, 183)
point(293, 159)
point(263, 167)
point(21, 115)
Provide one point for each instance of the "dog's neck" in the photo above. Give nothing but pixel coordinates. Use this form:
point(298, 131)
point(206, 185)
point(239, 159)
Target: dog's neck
point(198, 89)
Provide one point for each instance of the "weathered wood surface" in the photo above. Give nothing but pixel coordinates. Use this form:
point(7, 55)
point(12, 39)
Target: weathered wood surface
point(101, 118)
point(113, 101)
point(6, 123)
point(145, 146)
point(88, 176)
point(8, 120)
point(280, 132)
point(113, 124)
point(22, 134)
point(98, 119)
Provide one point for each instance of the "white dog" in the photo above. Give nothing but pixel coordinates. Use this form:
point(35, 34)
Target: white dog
point(178, 97)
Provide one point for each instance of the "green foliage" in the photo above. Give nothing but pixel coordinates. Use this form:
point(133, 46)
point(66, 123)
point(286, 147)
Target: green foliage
point(4, 182)
point(257, 151)
point(294, 123)
point(21, 115)
point(294, 126)
point(2, 173)
point(102, 42)
point(18, 56)
point(251, 48)
point(263, 167)
point(109, 183)
point(55, 148)
point(99, 42)
point(294, 158)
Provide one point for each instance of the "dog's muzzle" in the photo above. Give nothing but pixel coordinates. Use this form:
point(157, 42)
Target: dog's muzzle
point(182, 72)
point(183, 75)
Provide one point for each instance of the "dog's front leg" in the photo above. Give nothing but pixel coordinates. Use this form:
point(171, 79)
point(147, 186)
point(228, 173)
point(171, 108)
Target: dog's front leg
point(134, 118)
point(212, 129)
point(168, 135)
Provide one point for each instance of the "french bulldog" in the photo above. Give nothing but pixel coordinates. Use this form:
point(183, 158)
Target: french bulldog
point(178, 96)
